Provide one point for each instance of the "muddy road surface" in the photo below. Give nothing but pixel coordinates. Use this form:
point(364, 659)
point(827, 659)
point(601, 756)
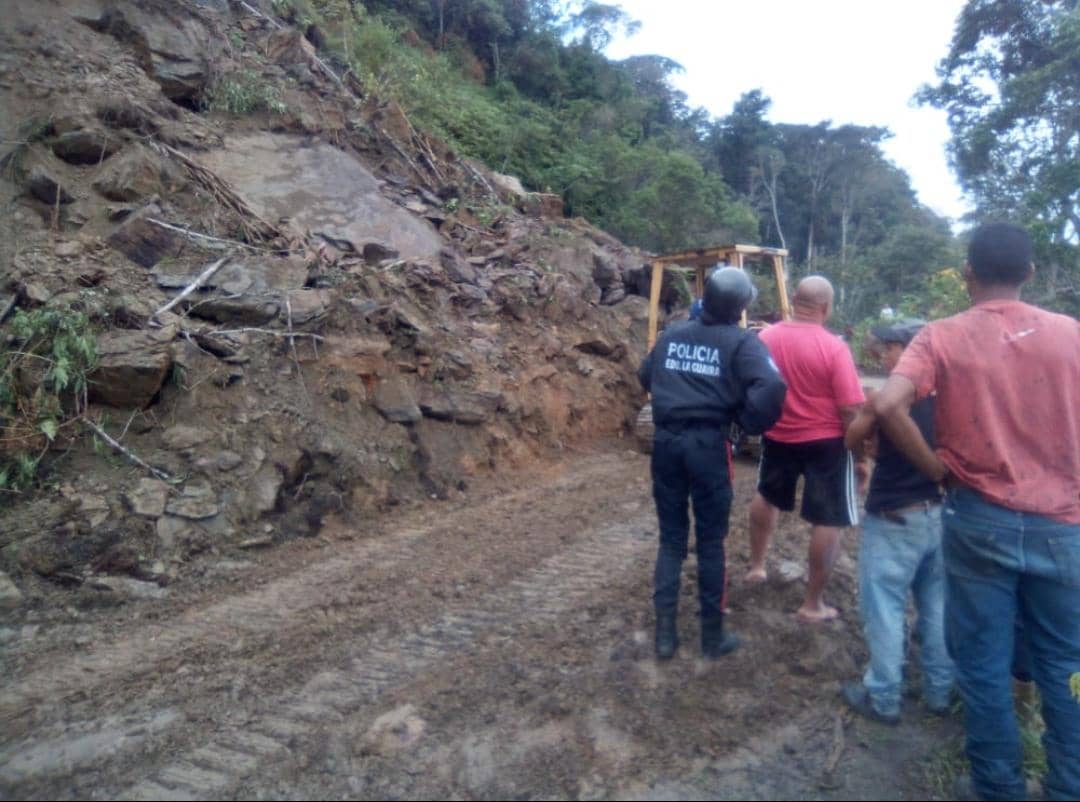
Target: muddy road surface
point(497, 645)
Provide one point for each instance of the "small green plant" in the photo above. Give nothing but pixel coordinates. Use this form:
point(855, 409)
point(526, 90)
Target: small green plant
point(44, 366)
point(244, 92)
point(1074, 686)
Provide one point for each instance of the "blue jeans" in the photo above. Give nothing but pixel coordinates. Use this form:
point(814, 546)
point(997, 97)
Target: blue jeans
point(691, 463)
point(894, 558)
point(1008, 570)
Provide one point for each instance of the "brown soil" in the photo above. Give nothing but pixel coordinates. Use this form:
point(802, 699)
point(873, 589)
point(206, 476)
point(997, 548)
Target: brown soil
point(493, 647)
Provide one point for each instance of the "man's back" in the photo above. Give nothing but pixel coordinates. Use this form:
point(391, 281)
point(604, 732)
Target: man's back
point(821, 378)
point(1007, 377)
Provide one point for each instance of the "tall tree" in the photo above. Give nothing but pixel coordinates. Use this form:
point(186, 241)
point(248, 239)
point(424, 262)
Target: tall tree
point(1011, 87)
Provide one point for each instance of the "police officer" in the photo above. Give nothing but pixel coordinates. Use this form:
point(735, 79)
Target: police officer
point(704, 375)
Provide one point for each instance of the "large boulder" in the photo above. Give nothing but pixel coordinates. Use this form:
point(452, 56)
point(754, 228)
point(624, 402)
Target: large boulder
point(85, 146)
point(395, 399)
point(142, 241)
point(136, 173)
point(132, 367)
point(468, 408)
point(175, 48)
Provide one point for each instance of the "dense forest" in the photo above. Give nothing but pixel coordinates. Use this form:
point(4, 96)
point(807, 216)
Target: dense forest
point(524, 86)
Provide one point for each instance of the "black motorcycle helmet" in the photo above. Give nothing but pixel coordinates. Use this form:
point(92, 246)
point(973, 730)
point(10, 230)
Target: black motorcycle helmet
point(728, 292)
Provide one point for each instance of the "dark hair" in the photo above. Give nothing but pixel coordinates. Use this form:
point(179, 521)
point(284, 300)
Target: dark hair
point(1000, 253)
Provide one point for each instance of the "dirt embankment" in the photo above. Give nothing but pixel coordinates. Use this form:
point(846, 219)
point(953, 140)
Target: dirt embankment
point(389, 323)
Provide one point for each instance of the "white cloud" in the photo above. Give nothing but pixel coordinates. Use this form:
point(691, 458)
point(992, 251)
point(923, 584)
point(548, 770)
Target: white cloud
point(848, 61)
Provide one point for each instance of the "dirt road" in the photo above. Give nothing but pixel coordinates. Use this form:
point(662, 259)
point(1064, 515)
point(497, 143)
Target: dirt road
point(497, 645)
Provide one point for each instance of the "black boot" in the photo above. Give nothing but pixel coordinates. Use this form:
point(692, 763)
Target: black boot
point(715, 643)
point(667, 636)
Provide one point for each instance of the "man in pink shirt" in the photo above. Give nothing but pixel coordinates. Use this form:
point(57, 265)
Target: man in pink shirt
point(823, 397)
point(1007, 419)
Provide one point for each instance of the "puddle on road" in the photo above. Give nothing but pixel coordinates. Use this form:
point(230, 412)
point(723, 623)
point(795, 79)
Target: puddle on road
point(320, 189)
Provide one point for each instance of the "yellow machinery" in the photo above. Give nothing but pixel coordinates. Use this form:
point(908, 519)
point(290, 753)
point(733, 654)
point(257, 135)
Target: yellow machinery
point(702, 261)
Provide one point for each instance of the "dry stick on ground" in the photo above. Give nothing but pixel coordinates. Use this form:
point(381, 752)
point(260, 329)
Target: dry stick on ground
point(190, 288)
point(260, 230)
point(419, 173)
point(271, 332)
point(292, 347)
point(837, 751)
point(116, 446)
point(187, 232)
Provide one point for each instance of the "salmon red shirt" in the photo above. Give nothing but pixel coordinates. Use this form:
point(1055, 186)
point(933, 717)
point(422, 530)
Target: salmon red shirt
point(820, 376)
point(1007, 414)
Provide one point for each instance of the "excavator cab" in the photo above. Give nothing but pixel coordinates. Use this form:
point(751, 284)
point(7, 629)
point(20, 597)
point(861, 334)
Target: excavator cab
point(690, 269)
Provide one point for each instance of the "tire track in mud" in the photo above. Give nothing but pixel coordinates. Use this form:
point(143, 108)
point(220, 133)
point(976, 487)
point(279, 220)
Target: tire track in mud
point(33, 751)
point(543, 597)
point(286, 604)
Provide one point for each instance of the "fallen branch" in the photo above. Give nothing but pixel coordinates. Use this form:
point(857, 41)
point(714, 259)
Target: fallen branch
point(271, 332)
point(292, 347)
point(117, 447)
point(217, 187)
point(828, 775)
point(187, 232)
point(190, 288)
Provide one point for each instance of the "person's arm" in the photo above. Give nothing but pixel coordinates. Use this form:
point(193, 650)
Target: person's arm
point(846, 387)
point(893, 409)
point(861, 427)
point(763, 387)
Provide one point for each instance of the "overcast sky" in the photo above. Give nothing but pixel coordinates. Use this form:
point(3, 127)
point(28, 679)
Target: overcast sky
point(848, 61)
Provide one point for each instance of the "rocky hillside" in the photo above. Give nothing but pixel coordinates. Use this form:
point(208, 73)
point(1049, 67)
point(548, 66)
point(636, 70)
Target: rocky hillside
point(303, 307)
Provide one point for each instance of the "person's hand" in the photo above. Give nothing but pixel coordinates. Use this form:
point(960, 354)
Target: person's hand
point(862, 474)
point(941, 472)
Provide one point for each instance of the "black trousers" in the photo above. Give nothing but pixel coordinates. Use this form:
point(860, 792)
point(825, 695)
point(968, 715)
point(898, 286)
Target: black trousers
point(692, 463)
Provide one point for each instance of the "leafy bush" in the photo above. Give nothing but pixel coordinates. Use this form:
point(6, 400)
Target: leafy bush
point(43, 382)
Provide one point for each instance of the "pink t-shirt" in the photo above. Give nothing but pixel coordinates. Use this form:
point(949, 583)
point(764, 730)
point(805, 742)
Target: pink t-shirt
point(820, 376)
point(1007, 413)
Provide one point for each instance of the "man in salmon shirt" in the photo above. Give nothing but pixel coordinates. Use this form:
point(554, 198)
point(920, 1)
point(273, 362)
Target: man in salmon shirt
point(1007, 420)
point(824, 395)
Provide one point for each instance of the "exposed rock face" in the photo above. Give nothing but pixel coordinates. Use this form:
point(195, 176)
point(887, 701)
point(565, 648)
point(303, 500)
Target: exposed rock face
point(176, 50)
point(395, 399)
point(132, 367)
point(196, 501)
point(141, 241)
point(135, 174)
point(148, 498)
point(322, 189)
point(85, 146)
point(490, 339)
point(469, 408)
point(44, 185)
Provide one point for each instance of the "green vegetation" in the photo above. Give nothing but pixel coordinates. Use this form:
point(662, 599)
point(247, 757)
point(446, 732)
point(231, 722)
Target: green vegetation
point(1009, 84)
point(244, 92)
point(524, 86)
point(950, 762)
point(43, 382)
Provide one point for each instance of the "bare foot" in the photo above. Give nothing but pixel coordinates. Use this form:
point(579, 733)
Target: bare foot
point(755, 576)
point(817, 615)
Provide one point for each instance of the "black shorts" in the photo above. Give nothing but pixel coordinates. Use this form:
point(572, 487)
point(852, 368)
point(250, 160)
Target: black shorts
point(829, 491)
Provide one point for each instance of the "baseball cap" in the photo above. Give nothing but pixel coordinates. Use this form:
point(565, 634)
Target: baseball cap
point(900, 331)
